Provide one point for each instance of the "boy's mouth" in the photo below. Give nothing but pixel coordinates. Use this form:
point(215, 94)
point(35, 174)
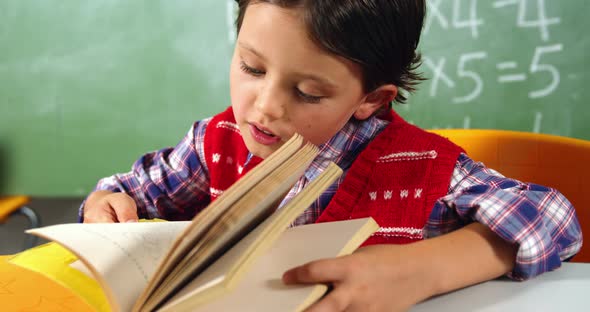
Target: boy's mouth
point(266, 132)
point(263, 135)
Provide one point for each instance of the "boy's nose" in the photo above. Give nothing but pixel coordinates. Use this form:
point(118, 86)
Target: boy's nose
point(271, 104)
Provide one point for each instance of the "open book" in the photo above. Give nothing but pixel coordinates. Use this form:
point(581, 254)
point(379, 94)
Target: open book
point(231, 253)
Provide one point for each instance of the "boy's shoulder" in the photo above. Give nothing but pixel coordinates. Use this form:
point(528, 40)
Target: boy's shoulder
point(402, 137)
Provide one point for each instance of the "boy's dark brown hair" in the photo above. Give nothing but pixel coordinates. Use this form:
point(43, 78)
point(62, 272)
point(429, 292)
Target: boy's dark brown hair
point(380, 35)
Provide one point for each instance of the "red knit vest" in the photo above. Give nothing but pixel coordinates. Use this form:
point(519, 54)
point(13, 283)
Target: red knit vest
point(396, 179)
point(225, 153)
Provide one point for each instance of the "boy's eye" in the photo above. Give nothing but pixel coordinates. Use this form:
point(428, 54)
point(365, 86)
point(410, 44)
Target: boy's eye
point(257, 73)
point(308, 97)
point(250, 70)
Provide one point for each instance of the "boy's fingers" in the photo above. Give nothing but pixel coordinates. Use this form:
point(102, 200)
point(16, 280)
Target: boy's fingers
point(320, 271)
point(124, 207)
point(103, 218)
point(102, 214)
point(326, 271)
point(113, 207)
point(337, 300)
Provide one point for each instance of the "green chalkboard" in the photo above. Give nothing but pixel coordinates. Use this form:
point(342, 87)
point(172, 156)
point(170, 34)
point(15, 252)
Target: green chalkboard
point(505, 64)
point(88, 86)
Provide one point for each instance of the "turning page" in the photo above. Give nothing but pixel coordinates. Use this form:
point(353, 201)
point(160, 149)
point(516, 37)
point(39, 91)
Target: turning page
point(121, 256)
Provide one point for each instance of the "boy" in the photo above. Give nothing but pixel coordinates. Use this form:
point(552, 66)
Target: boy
point(329, 71)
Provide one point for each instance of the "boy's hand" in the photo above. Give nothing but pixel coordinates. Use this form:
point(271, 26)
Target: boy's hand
point(106, 206)
point(395, 277)
point(375, 278)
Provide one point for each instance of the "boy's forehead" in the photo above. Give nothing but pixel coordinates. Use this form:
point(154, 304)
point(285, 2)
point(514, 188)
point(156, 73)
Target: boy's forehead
point(280, 36)
point(264, 21)
point(270, 25)
point(274, 11)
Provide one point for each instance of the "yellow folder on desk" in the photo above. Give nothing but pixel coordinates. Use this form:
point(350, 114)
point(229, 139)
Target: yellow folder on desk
point(43, 279)
point(40, 279)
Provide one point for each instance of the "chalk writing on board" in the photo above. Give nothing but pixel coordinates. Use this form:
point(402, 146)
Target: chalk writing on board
point(460, 19)
point(457, 21)
point(542, 22)
point(536, 67)
point(476, 65)
point(537, 123)
point(462, 72)
point(529, 14)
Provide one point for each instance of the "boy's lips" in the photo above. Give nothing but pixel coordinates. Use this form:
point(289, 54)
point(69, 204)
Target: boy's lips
point(263, 135)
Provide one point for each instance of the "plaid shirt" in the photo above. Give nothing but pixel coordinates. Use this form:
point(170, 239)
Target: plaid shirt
point(539, 219)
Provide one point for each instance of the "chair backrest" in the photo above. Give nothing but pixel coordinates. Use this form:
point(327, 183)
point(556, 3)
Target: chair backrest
point(17, 205)
point(554, 161)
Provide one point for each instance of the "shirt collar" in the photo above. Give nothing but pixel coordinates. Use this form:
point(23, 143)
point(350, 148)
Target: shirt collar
point(344, 147)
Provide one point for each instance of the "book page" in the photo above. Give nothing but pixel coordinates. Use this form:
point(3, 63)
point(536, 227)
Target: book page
point(121, 256)
point(256, 205)
point(193, 234)
point(226, 272)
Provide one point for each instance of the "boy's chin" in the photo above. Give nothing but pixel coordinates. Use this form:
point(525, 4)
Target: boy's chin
point(262, 151)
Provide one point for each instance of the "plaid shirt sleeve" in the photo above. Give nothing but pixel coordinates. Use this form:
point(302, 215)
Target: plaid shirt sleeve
point(539, 219)
point(171, 183)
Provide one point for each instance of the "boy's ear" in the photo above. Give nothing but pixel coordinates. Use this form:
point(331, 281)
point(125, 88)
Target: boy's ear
point(376, 99)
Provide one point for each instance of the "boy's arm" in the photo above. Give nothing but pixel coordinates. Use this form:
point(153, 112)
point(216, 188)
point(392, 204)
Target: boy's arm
point(520, 229)
point(537, 219)
point(171, 183)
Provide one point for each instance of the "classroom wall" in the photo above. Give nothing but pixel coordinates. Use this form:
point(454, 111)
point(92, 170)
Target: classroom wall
point(86, 87)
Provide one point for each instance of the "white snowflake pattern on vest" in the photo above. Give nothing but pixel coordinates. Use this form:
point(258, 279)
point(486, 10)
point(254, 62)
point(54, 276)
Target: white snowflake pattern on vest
point(408, 232)
point(403, 194)
point(417, 193)
point(228, 125)
point(408, 156)
point(388, 194)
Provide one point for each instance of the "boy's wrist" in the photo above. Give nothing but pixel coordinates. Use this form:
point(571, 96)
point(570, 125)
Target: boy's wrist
point(426, 269)
point(465, 257)
point(414, 265)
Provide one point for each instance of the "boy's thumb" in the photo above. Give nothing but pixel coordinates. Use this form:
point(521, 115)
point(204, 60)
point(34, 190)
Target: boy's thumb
point(126, 215)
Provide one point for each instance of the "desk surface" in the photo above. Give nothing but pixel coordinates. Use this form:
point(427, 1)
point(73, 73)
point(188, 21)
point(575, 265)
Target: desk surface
point(566, 289)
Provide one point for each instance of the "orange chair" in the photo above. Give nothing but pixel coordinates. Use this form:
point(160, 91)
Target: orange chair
point(15, 205)
point(559, 162)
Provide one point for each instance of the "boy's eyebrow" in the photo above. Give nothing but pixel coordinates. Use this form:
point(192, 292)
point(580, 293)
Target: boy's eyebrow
point(251, 49)
point(318, 79)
